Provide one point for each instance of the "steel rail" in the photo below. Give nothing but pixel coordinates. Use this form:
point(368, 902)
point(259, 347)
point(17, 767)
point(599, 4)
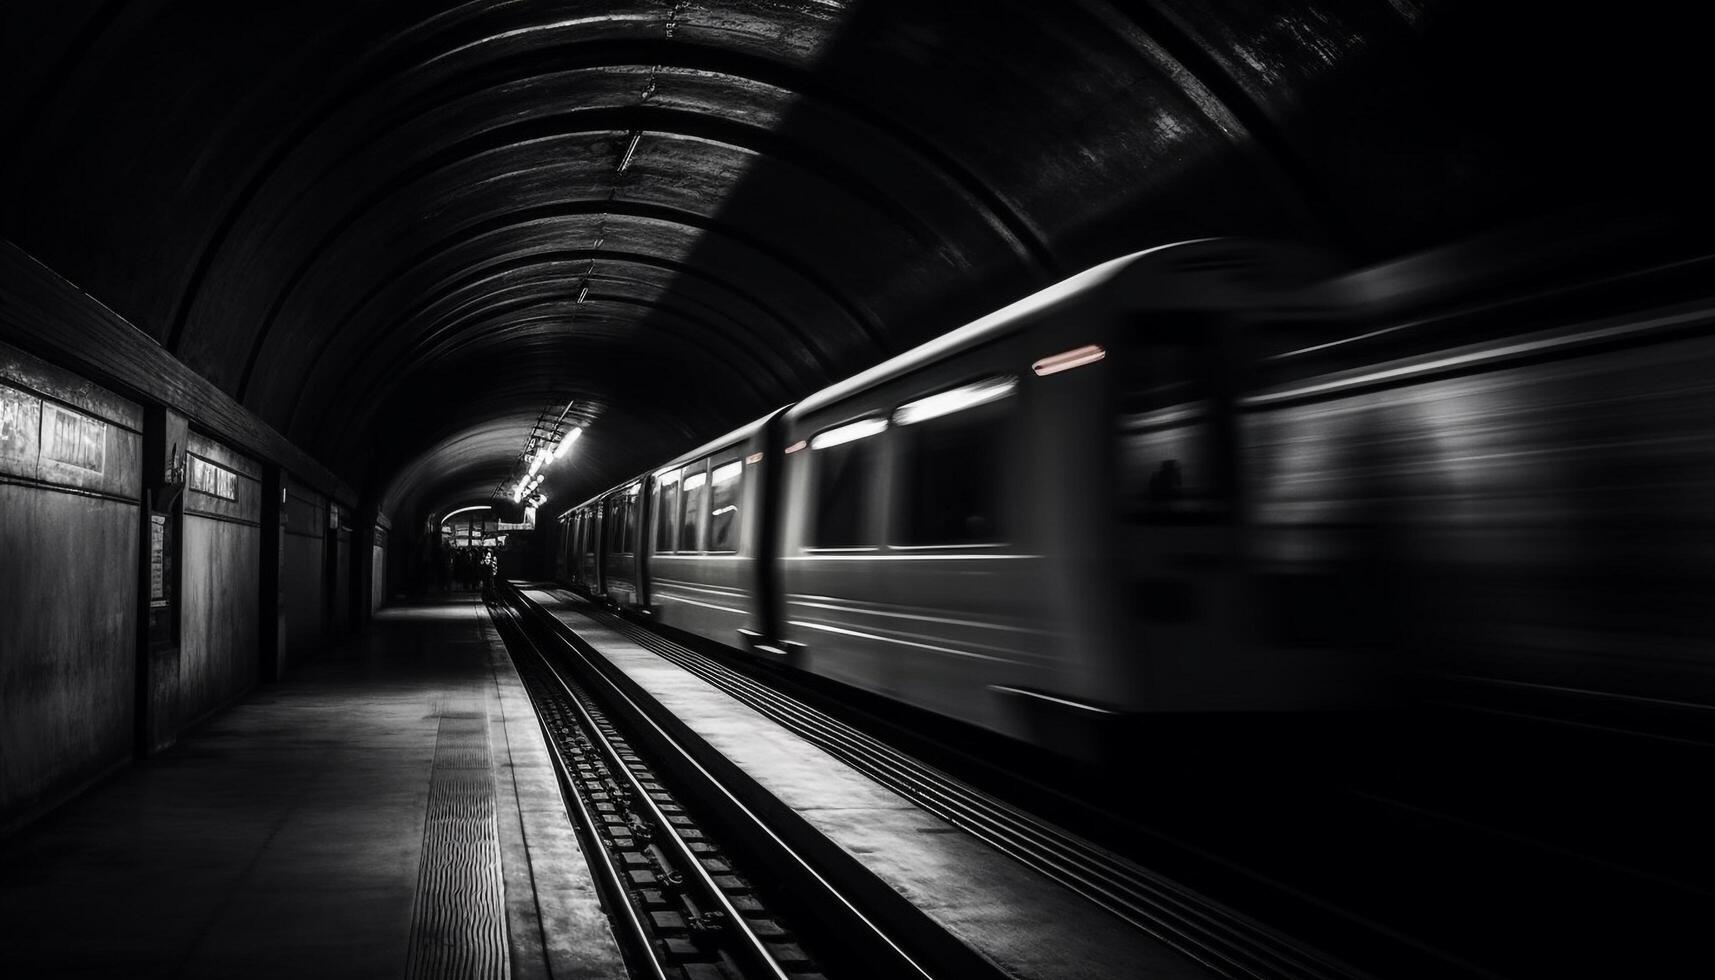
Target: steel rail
point(898, 961)
point(637, 943)
point(1217, 937)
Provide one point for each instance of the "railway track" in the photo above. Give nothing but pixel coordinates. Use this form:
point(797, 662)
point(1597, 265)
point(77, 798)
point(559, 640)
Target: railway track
point(1228, 943)
point(670, 847)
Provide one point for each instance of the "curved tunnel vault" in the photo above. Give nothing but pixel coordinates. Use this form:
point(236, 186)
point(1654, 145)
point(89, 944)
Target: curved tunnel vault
point(398, 232)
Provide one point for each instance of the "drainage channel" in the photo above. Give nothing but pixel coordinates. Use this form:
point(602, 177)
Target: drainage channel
point(669, 845)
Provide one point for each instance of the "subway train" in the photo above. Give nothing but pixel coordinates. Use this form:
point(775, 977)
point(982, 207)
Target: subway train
point(1212, 477)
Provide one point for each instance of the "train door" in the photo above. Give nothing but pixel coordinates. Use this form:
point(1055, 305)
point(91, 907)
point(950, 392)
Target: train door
point(589, 566)
point(959, 584)
point(563, 534)
point(619, 561)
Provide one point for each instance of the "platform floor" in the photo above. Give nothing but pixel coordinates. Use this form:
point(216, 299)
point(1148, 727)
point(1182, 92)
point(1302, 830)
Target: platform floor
point(388, 811)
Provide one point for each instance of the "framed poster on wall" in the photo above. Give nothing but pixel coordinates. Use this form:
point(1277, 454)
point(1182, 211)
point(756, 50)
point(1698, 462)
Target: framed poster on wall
point(157, 560)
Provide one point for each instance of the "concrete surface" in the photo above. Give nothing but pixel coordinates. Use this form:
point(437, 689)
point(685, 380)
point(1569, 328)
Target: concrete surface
point(284, 838)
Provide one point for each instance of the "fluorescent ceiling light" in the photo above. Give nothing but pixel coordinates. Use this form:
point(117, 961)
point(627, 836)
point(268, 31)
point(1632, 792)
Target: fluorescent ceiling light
point(566, 442)
point(728, 472)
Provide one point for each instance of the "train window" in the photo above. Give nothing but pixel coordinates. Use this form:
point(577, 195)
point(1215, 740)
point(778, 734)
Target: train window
point(615, 525)
point(954, 453)
point(845, 462)
point(693, 504)
point(622, 522)
point(666, 511)
point(1170, 467)
point(724, 485)
point(632, 538)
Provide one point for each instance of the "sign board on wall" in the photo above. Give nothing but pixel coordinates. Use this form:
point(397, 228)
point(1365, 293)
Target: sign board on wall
point(212, 479)
point(73, 438)
point(20, 425)
point(157, 560)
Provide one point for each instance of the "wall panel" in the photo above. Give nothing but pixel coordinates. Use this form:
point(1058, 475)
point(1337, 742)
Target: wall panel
point(220, 580)
point(69, 485)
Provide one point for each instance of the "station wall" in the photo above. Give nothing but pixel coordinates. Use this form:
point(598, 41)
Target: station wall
point(69, 541)
point(302, 574)
point(220, 620)
point(162, 550)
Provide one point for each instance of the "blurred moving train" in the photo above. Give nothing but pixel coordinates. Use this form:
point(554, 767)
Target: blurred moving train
point(1211, 476)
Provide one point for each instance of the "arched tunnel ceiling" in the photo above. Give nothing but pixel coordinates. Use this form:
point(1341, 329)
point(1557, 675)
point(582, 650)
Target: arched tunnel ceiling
point(398, 231)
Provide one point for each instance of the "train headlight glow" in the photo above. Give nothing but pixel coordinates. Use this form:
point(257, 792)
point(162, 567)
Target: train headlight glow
point(861, 429)
point(947, 402)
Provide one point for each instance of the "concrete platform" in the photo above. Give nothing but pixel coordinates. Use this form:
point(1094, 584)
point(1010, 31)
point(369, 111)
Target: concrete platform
point(386, 812)
point(1029, 925)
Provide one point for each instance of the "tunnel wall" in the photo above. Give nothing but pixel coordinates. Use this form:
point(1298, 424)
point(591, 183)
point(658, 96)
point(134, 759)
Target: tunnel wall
point(303, 582)
point(69, 500)
point(221, 568)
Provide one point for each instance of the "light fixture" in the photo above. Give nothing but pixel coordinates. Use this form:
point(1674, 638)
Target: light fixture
point(630, 151)
point(957, 400)
point(566, 441)
point(861, 429)
point(1067, 360)
point(536, 460)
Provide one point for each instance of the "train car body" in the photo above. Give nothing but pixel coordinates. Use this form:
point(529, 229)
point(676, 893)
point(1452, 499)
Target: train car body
point(711, 540)
point(1033, 524)
point(1506, 495)
point(1213, 477)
